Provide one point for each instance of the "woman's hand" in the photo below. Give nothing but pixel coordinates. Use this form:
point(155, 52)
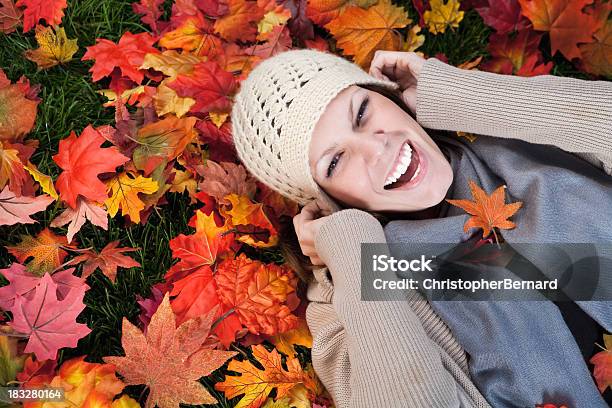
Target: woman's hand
point(307, 225)
point(401, 67)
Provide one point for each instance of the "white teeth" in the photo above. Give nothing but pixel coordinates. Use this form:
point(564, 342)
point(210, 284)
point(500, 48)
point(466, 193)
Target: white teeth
point(402, 166)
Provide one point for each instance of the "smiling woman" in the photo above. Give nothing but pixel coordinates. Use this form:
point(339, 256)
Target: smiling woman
point(363, 142)
point(344, 144)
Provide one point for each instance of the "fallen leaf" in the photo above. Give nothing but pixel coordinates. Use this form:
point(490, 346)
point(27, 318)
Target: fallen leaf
point(82, 159)
point(109, 258)
point(54, 47)
point(169, 360)
point(257, 384)
point(361, 32)
point(45, 248)
point(52, 11)
point(50, 323)
point(85, 210)
point(124, 189)
point(17, 210)
point(10, 16)
point(443, 15)
point(565, 22)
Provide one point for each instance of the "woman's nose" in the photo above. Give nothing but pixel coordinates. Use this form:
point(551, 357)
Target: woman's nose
point(374, 146)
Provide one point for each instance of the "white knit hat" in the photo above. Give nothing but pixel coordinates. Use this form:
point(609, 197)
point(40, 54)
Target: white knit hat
point(276, 109)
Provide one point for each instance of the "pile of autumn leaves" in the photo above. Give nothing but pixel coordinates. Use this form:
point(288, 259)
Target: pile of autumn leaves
point(181, 77)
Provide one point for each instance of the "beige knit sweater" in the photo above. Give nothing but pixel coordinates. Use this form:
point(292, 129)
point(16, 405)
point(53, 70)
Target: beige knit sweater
point(400, 353)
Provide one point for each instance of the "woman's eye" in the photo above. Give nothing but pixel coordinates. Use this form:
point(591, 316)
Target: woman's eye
point(362, 109)
point(333, 164)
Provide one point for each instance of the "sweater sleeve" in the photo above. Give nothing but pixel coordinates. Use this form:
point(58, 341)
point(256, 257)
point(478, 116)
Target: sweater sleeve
point(383, 356)
point(572, 114)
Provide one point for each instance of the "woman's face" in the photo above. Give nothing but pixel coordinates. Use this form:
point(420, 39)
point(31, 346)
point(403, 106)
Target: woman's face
point(358, 146)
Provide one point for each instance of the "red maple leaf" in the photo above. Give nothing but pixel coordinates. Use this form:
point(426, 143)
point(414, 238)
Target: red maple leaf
point(208, 84)
point(82, 159)
point(127, 55)
point(51, 11)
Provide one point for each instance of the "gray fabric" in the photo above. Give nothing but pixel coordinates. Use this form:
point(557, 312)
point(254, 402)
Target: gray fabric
point(522, 352)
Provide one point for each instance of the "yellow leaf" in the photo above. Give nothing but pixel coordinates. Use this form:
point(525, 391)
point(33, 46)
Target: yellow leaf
point(125, 402)
point(361, 32)
point(46, 182)
point(166, 100)
point(124, 190)
point(413, 39)
point(272, 19)
point(442, 15)
point(125, 95)
point(171, 62)
point(54, 47)
point(218, 118)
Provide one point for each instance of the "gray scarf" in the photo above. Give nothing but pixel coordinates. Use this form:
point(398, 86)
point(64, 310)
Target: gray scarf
point(522, 352)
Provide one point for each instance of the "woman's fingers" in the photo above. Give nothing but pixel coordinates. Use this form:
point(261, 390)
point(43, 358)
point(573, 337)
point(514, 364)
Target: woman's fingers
point(390, 64)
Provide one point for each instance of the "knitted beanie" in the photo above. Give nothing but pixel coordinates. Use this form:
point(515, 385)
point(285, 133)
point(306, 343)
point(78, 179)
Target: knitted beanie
point(276, 109)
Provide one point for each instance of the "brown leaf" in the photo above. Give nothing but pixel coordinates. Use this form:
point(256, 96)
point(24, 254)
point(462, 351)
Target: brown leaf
point(221, 179)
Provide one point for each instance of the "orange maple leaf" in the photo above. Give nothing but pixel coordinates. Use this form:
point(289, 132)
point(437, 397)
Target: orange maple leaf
point(169, 359)
point(487, 211)
point(361, 32)
point(565, 21)
point(602, 361)
point(257, 384)
point(46, 248)
point(257, 293)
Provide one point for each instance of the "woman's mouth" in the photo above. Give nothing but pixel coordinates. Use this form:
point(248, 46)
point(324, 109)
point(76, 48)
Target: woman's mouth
point(408, 169)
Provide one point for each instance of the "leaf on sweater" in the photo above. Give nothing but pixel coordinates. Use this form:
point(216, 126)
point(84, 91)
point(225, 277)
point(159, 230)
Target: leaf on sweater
point(108, 260)
point(75, 218)
point(256, 384)
point(46, 249)
point(52, 11)
point(127, 55)
point(17, 210)
point(602, 361)
point(168, 359)
point(488, 211)
point(82, 160)
point(124, 189)
point(50, 323)
point(54, 47)
point(565, 21)
point(442, 15)
point(10, 16)
point(361, 32)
